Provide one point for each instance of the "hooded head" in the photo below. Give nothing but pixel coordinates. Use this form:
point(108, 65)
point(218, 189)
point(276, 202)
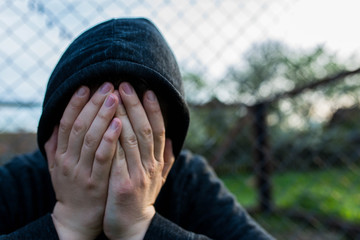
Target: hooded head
point(110, 51)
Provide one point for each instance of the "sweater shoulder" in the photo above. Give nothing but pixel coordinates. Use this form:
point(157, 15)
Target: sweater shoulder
point(26, 191)
point(190, 163)
point(24, 165)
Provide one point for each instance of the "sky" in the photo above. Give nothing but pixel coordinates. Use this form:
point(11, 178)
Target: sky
point(332, 22)
point(206, 36)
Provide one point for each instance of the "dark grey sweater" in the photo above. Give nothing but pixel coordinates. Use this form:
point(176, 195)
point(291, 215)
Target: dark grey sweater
point(193, 203)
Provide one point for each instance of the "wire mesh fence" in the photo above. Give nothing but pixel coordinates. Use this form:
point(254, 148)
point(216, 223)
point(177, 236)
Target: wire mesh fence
point(277, 116)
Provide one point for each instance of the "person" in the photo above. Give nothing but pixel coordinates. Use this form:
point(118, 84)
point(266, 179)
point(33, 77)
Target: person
point(110, 163)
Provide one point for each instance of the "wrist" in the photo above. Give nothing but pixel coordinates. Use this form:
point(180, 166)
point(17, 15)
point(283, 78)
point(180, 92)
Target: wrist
point(67, 229)
point(65, 232)
point(136, 231)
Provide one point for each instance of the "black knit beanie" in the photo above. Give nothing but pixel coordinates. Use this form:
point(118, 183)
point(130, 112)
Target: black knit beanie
point(119, 47)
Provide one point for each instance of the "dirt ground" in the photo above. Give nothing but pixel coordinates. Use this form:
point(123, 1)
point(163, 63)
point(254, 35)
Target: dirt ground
point(12, 144)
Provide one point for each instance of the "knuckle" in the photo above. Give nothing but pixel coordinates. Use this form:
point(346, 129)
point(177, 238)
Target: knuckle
point(66, 168)
point(142, 182)
point(101, 158)
point(109, 138)
point(134, 102)
point(160, 133)
point(90, 141)
point(64, 125)
point(103, 115)
point(96, 100)
point(126, 187)
point(170, 161)
point(131, 141)
point(78, 127)
point(146, 133)
point(76, 103)
point(90, 184)
point(161, 164)
point(152, 170)
point(155, 108)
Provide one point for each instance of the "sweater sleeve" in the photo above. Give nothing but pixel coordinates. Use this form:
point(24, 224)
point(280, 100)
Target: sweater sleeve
point(26, 199)
point(162, 228)
point(42, 228)
point(202, 208)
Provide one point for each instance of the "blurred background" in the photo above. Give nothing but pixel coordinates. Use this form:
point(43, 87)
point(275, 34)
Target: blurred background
point(273, 87)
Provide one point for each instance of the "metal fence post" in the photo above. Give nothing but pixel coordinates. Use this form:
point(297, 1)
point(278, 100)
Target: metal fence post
point(262, 162)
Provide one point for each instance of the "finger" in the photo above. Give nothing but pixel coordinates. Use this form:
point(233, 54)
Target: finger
point(97, 132)
point(86, 117)
point(153, 112)
point(169, 158)
point(139, 122)
point(73, 109)
point(50, 147)
point(106, 151)
point(128, 141)
point(119, 169)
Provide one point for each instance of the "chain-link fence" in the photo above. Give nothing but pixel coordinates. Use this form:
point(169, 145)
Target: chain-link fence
point(273, 88)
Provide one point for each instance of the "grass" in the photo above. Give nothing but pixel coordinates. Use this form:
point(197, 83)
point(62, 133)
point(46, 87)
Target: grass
point(281, 227)
point(333, 192)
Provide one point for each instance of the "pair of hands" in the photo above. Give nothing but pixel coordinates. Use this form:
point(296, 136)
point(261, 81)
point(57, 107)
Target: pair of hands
point(108, 160)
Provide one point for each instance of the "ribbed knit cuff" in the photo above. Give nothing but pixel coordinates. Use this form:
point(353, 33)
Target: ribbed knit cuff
point(42, 228)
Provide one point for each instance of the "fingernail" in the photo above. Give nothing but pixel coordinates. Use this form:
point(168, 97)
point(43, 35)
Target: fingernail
point(105, 88)
point(114, 125)
point(151, 96)
point(110, 100)
point(81, 91)
point(127, 88)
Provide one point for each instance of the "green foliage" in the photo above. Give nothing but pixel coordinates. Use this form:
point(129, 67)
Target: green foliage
point(272, 67)
point(315, 159)
point(196, 88)
point(332, 192)
point(316, 147)
point(298, 137)
point(329, 192)
point(242, 186)
point(209, 129)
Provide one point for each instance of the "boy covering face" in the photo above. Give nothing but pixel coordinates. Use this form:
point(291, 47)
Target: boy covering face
point(109, 164)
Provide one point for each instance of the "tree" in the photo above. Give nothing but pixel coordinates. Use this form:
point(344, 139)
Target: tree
point(297, 130)
point(269, 69)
